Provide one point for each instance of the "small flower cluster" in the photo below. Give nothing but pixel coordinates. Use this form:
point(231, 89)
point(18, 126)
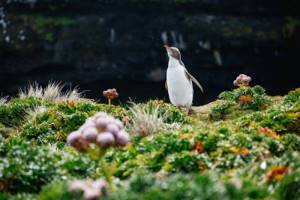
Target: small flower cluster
point(110, 94)
point(91, 189)
point(268, 132)
point(240, 150)
point(245, 99)
point(276, 173)
point(100, 129)
point(242, 79)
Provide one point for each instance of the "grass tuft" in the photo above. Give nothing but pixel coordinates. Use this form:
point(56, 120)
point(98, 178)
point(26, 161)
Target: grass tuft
point(3, 100)
point(53, 92)
point(148, 120)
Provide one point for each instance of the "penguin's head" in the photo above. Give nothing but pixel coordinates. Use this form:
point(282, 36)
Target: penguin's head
point(173, 52)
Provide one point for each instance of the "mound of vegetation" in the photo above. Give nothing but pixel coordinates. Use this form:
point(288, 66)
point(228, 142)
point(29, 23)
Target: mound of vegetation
point(243, 146)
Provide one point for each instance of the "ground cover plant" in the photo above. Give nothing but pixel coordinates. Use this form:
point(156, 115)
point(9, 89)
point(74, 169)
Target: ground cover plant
point(245, 145)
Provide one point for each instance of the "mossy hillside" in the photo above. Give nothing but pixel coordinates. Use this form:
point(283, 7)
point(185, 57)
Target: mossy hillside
point(54, 123)
point(218, 144)
point(249, 149)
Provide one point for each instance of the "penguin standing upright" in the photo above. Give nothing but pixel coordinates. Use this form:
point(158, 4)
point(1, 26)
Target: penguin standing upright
point(179, 81)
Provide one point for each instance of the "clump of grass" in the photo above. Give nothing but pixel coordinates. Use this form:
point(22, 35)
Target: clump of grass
point(33, 113)
point(53, 92)
point(14, 112)
point(147, 120)
point(3, 100)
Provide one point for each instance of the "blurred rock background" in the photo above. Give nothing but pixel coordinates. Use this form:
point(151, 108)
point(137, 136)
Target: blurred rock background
point(99, 44)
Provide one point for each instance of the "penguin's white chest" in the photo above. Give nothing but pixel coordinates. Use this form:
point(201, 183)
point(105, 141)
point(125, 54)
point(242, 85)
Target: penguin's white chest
point(180, 88)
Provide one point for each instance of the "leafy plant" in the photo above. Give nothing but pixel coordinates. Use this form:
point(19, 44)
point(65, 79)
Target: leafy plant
point(246, 151)
point(293, 97)
point(25, 167)
point(289, 187)
point(193, 186)
point(57, 190)
point(219, 111)
point(247, 97)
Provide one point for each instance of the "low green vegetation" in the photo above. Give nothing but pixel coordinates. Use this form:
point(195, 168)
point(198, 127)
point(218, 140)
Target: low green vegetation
point(245, 146)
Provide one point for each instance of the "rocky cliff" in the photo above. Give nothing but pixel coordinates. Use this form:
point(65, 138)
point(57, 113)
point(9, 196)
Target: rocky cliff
point(99, 44)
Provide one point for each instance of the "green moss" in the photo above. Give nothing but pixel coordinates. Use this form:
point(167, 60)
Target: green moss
point(289, 187)
point(26, 167)
point(211, 142)
point(293, 97)
point(61, 119)
point(19, 196)
point(13, 113)
point(48, 26)
point(239, 102)
point(224, 157)
point(221, 110)
point(57, 190)
point(290, 26)
point(191, 186)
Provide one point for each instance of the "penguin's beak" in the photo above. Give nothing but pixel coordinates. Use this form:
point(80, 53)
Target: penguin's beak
point(167, 48)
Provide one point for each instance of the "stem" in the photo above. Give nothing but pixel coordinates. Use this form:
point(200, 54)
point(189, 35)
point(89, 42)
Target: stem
point(109, 101)
point(107, 170)
point(104, 169)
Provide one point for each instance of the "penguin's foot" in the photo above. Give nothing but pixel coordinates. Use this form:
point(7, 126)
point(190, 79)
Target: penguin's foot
point(190, 111)
point(184, 109)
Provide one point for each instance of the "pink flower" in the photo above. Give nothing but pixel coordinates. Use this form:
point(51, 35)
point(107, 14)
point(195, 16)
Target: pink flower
point(100, 129)
point(102, 122)
point(90, 134)
point(122, 138)
point(105, 139)
point(73, 138)
point(100, 184)
point(77, 186)
point(119, 124)
point(92, 190)
point(100, 114)
point(91, 194)
point(242, 79)
point(86, 125)
point(112, 128)
point(110, 94)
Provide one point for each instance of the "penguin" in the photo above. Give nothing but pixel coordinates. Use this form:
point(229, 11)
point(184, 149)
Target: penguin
point(179, 81)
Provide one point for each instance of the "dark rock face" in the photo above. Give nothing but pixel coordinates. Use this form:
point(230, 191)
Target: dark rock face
point(99, 45)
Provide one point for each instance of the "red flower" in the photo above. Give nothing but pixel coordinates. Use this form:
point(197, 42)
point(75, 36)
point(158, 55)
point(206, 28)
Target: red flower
point(198, 147)
point(277, 173)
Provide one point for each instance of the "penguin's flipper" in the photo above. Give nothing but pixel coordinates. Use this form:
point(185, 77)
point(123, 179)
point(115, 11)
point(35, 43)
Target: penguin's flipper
point(166, 85)
point(189, 76)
